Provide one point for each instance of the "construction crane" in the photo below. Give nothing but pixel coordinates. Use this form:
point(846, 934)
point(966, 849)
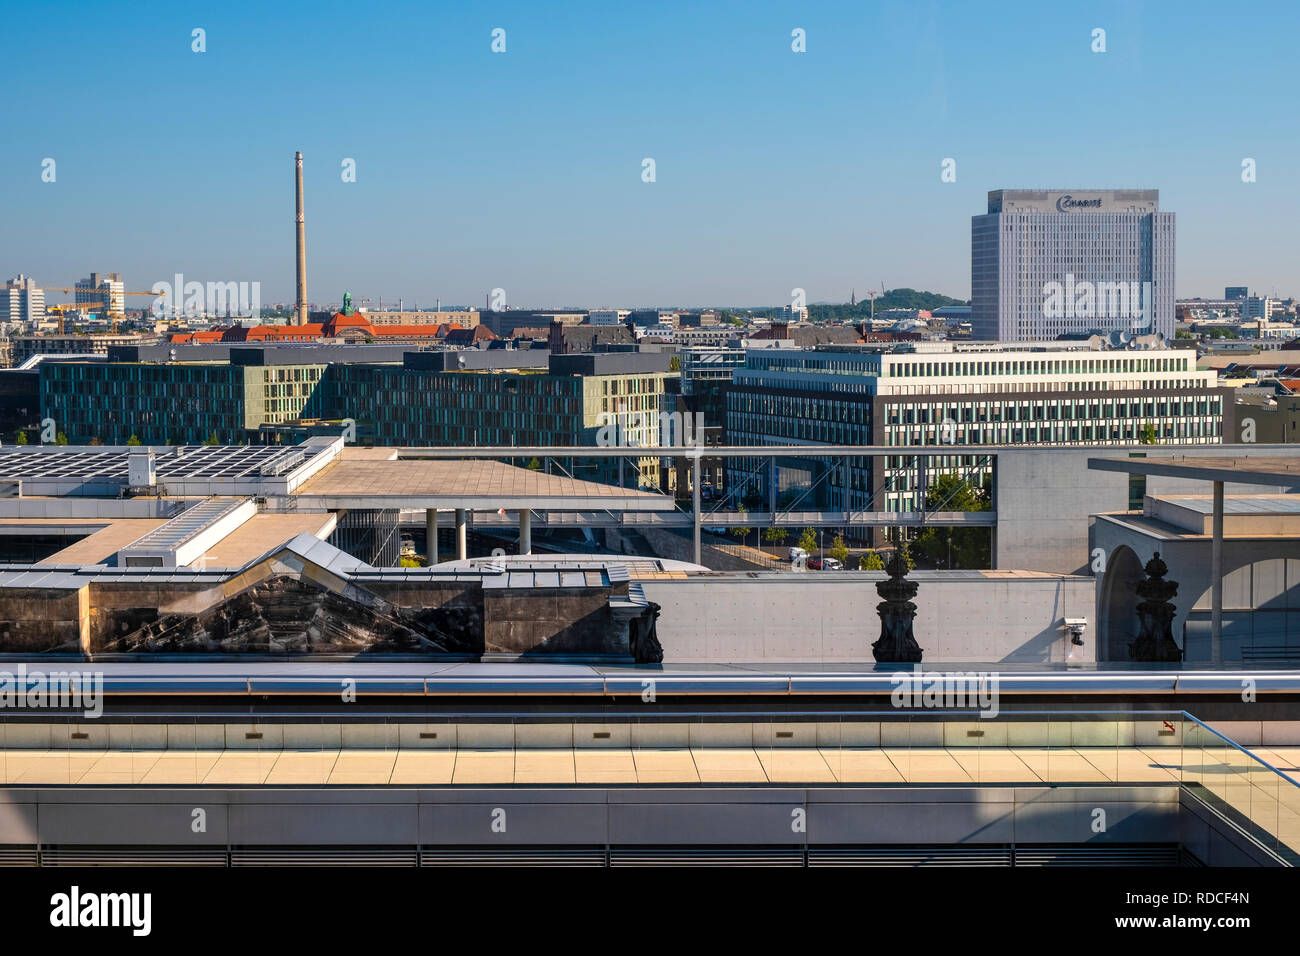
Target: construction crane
point(62, 307)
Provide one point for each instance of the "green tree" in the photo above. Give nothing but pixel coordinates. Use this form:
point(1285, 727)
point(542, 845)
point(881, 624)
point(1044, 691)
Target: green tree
point(674, 364)
point(60, 439)
point(808, 540)
point(741, 533)
point(956, 547)
point(838, 549)
point(775, 535)
point(871, 561)
point(1147, 435)
point(22, 437)
point(213, 439)
point(534, 465)
point(133, 441)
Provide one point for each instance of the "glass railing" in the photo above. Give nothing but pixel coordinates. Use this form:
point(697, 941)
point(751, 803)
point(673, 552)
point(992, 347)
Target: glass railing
point(1245, 787)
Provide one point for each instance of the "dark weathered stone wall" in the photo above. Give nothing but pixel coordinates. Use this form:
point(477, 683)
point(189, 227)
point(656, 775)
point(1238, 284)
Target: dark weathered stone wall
point(551, 621)
point(40, 620)
point(284, 614)
point(269, 610)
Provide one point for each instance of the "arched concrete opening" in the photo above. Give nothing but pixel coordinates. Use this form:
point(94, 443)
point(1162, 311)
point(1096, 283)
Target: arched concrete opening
point(1118, 623)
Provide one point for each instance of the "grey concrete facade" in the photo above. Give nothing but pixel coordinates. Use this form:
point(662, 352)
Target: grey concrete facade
point(593, 816)
point(831, 616)
point(1261, 590)
point(1045, 498)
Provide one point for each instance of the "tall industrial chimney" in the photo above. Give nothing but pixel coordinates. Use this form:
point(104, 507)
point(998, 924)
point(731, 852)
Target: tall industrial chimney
point(302, 245)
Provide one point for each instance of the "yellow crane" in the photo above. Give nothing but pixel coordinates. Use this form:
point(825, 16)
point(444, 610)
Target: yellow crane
point(63, 307)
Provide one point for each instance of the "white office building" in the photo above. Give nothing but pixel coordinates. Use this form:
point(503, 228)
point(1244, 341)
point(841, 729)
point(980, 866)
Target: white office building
point(22, 301)
point(958, 397)
point(1256, 307)
point(1047, 263)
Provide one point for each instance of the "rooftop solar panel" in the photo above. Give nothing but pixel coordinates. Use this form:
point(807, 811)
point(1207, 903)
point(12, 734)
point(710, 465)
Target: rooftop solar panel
point(182, 462)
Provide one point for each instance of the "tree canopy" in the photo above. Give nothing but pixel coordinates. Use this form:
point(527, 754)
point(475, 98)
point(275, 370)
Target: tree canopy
point(956, 547)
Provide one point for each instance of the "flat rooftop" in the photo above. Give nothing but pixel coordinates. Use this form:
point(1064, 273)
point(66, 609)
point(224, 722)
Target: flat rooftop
point(380, 483)
point(1244, 516)
point(106, 537)
point(1241, 469)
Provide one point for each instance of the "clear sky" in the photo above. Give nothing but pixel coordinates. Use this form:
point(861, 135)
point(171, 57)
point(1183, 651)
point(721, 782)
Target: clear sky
point(523, 170)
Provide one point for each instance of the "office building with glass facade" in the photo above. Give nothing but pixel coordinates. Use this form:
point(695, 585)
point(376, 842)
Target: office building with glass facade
point(957, 396)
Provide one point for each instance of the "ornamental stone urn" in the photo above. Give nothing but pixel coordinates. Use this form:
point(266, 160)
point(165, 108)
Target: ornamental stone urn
point(1156, 642)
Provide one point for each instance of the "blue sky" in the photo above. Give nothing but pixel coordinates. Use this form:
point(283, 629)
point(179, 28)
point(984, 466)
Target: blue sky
point(522, 170)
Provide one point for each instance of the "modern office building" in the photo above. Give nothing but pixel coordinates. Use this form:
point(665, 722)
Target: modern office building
point(716, 336)
point(562, 400)
point(960, 395)
point(503, 322)
point(174, 403)
point(26, 346)
point(704, 366)
point(471, 397)
point(1255, 307)
point(1236, 292)
point(102, 289)
point(1046, 263)
point(22, 301)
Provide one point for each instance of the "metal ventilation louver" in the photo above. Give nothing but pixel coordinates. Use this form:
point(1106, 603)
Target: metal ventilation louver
point(324, 856)
point(707, 856)
point(514, 856)
point(133, 856)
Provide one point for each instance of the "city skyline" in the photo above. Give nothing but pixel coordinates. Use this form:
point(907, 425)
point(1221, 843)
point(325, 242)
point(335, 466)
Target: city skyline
point(523, 170)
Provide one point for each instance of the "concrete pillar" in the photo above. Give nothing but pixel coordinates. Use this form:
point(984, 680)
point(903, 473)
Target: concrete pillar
point(462, 536)
point(431, 535)
point(1216, 578)
point(525, 531)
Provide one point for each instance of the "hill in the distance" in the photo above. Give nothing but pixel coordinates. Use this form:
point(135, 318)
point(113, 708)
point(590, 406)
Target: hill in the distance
point(893, 299)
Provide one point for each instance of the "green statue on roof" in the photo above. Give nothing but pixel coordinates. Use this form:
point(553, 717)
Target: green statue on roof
point(347, 303)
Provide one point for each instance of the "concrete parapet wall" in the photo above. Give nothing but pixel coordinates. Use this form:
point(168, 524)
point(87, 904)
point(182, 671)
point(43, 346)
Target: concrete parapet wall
point(820, 617)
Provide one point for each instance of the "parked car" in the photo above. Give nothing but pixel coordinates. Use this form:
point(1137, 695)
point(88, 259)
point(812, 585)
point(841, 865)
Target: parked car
point(824, 564)
point(797, 552)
